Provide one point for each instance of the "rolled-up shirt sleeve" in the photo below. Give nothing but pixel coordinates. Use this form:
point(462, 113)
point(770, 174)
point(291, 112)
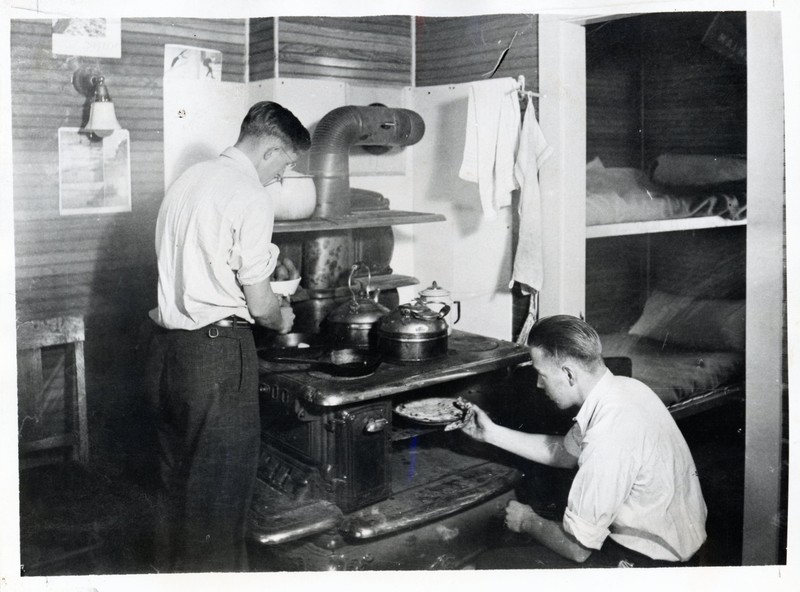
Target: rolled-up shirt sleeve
point(253, 250)
point(603, 482)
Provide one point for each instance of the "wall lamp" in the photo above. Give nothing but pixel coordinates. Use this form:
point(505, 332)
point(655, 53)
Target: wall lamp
point(101, 120)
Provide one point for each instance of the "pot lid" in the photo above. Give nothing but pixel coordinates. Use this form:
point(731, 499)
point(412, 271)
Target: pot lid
point(414, 320)
point(434, 290)
point(357, 311)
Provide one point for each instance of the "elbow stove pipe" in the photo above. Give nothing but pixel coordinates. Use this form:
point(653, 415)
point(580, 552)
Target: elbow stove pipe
point(329, 158)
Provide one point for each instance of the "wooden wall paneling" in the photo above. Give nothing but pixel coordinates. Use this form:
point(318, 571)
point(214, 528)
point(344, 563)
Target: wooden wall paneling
point(616, 288)
point(614, 93)
point(695, 100)
point(262, 49)
point(367, 49)
point(463, 49)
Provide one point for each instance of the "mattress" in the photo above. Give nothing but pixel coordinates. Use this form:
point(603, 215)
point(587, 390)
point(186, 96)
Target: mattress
point(618, 194)
point(675, 374)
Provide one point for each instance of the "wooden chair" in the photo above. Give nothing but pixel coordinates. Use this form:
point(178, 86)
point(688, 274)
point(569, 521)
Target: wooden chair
point(36, 395)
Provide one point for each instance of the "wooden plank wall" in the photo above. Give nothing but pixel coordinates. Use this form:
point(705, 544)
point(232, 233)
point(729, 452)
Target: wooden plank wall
point(98, 266)
point(614, 93)
point(262, 48)
point(695, 100)
point(363, 49)
point(464, 49)
point(653, 86)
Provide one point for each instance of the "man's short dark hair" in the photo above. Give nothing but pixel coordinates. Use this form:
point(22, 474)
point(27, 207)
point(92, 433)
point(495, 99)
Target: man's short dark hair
point(266, 118)
point(565, 336)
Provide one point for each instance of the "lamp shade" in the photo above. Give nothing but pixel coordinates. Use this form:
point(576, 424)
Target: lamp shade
point(102, 119)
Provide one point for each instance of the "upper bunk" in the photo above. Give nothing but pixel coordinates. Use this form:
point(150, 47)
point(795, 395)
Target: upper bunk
point(677, 192)
point(666, 127)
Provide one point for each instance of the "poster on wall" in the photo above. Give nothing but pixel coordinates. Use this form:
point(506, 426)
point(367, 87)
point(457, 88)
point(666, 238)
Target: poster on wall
point(193, 63)
point(95, 37)
point(94, 174)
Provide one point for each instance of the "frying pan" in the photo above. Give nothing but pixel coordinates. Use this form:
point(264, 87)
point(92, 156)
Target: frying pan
point(339, 362)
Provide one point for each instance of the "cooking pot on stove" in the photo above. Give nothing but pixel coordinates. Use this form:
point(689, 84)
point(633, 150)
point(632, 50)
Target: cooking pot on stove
point(413, 333)
point(354, 323)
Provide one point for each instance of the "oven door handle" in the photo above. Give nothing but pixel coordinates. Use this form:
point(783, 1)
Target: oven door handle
point(376, 425)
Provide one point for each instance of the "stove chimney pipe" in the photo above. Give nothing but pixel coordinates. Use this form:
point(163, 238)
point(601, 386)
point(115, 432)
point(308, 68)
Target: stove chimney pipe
point(329, 158)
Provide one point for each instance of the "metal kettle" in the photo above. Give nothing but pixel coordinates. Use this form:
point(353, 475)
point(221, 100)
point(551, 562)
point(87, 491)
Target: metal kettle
point(413, 333)
point(354, 323)
point(437, 298)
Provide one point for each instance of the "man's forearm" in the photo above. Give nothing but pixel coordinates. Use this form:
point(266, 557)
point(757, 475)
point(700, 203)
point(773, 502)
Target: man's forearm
point(542, 448)
point(264, 305)
point(553, 536)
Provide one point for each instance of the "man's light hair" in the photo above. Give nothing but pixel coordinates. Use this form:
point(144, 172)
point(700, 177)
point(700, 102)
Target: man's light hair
point(565, 337)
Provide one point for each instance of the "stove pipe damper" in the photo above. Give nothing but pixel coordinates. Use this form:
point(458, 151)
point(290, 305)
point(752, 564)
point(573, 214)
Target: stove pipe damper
point(327, 258)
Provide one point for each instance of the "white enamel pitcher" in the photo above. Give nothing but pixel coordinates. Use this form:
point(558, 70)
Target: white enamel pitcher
point(436, 298)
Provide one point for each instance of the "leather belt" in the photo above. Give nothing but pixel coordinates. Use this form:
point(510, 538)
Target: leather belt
point(233, 322)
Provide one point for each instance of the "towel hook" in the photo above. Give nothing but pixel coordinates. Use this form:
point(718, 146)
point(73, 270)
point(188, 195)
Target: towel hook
point(521, 88)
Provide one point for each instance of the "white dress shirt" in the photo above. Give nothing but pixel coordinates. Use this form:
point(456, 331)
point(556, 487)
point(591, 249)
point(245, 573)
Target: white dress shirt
point(636, 479)
point(213, 236)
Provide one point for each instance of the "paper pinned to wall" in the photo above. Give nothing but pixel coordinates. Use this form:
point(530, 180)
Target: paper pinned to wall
point(94, 174)
point(95, 37)
point(194, 63)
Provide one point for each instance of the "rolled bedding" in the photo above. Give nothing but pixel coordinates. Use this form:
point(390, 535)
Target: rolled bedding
point(697, 170)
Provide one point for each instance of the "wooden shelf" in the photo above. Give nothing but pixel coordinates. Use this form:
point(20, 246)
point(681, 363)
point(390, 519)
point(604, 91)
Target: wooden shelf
point(651, 226)
point(363, 219)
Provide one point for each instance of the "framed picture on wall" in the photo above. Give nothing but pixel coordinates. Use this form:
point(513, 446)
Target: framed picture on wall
point(95, 37)
point(94, 174)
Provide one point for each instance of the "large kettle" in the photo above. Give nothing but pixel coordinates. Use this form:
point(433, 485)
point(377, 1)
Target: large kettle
point(413, 333)
point(354, 323)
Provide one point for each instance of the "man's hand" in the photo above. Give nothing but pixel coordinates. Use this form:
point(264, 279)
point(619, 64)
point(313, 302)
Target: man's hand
point(479, 425)
point(287, 319)
point(517, 515)
point(522, 518)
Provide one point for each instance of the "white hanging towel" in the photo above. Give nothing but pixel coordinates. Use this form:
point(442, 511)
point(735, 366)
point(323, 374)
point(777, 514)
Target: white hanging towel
point(533, 152)
point(492, 135)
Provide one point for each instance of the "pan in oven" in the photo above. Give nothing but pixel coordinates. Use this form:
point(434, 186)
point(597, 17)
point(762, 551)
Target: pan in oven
point(434, 411)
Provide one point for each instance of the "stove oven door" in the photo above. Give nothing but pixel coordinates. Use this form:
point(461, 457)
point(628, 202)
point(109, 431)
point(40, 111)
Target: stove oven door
point(357, 470)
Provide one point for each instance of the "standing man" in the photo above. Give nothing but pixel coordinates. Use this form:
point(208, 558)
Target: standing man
point(215, 258)
point(635, 499)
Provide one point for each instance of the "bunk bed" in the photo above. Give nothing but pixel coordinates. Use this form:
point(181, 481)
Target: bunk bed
point(666, 202)
point(684, 331)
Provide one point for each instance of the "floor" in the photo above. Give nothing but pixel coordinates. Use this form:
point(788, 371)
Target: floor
point(76, 522)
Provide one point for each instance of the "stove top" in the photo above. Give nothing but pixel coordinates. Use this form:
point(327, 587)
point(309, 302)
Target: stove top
point(468, 355)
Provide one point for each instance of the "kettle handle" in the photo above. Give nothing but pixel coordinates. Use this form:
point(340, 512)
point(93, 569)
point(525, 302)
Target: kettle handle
point(353, 269)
